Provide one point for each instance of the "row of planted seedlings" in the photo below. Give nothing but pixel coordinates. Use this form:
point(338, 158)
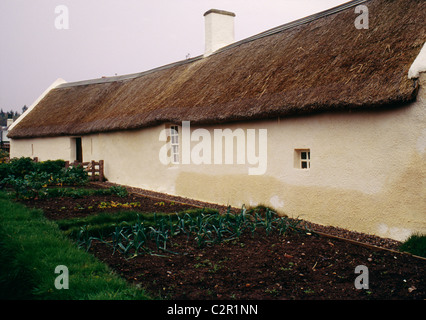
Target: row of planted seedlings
point(205, 227)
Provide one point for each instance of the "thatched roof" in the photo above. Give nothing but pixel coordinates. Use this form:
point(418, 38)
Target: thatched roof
point(319, 64)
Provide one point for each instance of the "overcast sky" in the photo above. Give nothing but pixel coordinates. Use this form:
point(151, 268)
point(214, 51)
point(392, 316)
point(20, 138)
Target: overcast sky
point(108, 37)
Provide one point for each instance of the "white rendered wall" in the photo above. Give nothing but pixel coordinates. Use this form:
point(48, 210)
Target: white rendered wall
point(367, 174)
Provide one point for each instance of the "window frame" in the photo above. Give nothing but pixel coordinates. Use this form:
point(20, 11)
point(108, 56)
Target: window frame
point(303, 163)
point(174, 143)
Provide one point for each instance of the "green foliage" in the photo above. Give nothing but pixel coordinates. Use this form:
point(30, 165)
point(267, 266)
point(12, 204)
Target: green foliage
point(28, 186)
point(104, 223)
point(77, 193)
point(4, 171)
point(415, 244)
point(9, 115)
point(19, 167)
point(53, 167)
point(153, 232)
point(28, 178)
point(4, 156)
point(119, 191)
point(72, 176)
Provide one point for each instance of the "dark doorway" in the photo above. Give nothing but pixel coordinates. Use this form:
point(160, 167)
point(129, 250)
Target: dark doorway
point(78, 150)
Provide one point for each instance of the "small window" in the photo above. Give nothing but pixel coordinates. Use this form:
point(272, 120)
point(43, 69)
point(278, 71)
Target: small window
point(303, 159)
point(174, 142)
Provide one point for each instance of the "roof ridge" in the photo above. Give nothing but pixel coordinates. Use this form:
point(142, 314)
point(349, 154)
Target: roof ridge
point(127, 76)
point(294, 23)
point(263, 34)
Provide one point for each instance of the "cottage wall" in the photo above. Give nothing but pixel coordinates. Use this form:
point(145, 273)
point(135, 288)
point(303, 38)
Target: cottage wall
point(367, 171)
point(43, 148)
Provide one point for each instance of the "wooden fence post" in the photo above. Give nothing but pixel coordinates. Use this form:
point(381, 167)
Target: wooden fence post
point(101, 170)
point(90, 167)
point(93, 169)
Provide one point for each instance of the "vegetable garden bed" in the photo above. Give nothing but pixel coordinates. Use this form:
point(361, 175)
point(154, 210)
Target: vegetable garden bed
point(260, 263)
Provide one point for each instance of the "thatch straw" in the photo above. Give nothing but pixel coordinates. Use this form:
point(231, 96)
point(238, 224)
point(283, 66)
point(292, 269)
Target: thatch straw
point(326, 65)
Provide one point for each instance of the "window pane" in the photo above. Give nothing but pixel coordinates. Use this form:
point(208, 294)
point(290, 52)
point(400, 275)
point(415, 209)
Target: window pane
point(309, 155)
point(303, 155)
point(304, 165)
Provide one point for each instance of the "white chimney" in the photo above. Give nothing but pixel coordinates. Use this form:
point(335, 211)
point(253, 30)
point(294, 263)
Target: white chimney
point(9, 122)
point(219, 30)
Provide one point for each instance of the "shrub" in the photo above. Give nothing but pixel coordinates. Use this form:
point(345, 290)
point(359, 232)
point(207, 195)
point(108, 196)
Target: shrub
point(51, 166)
point(4, 156)
point(415, 244)
point(19, 167)
point(75, 176)
point(4, 171)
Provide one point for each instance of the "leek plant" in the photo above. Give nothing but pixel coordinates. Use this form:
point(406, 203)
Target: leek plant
point(206, 228)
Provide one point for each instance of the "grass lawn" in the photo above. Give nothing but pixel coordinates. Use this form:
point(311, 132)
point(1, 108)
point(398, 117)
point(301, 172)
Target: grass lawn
point(32, 247)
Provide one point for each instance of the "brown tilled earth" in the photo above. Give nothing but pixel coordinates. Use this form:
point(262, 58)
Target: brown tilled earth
point(296, 266)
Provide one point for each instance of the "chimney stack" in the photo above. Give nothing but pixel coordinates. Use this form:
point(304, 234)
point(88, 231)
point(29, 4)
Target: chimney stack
point(9, 122)
point(219, 30)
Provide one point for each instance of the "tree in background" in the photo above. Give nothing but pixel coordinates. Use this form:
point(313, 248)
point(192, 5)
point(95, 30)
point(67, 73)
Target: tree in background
point(10, 115)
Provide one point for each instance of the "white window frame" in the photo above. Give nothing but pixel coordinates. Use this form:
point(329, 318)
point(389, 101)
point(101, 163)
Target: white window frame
point(174, 143)
point(303, 161)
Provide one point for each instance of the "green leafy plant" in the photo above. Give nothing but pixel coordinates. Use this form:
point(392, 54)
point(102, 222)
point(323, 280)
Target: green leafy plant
point(415, 244)
point(51, 167)
point(203, 226)
point(28, 178)
point(76, 176)
point(119, 191)
point(4, 156)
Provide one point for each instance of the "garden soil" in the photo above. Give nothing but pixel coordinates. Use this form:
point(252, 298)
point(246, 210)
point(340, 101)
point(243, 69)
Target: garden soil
point(296, 266)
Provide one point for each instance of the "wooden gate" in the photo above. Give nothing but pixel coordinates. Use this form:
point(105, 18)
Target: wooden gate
point(94, 169)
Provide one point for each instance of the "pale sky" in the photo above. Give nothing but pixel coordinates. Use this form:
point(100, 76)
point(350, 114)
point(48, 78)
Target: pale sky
point(108, 37)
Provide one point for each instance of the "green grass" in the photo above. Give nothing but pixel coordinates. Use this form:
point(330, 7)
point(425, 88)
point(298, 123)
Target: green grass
point(32, 247)
point(415, 244)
